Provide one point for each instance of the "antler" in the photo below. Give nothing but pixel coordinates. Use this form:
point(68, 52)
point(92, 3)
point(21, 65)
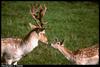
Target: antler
point(33, 12)
point(42, 13)
point(38, 13)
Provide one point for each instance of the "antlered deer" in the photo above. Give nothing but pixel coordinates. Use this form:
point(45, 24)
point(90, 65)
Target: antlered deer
point(84, 56)
point(13, 49)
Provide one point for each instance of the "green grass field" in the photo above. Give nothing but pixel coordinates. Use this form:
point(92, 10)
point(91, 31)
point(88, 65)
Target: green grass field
point(76, 22)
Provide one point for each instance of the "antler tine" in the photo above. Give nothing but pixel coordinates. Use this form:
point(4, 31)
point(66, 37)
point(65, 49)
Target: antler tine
point(34, 14)
point(40, 16)
point(45, 8)
point(32, 11)
point(42, 13)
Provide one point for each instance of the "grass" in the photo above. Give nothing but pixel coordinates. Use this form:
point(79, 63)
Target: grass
point(76, 22)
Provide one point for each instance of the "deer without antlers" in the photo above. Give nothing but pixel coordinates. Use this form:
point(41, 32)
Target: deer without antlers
point(84, 56)
point(13, 49)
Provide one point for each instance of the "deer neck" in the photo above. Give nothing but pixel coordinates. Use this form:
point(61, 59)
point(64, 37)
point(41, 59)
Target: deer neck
point(29, 42)
point(66, 52)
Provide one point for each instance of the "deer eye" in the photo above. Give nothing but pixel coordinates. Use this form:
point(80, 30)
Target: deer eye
point(58, 43)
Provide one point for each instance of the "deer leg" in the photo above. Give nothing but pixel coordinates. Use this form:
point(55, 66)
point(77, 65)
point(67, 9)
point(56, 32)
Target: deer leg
point(9, 61)
point(15, 63)
point(16, 60)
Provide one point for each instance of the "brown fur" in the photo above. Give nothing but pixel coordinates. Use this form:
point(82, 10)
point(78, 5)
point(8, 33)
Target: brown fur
point(13, 47)
point(84, 56)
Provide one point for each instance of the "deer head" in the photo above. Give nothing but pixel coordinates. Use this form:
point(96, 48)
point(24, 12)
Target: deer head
point(56, 44)
point(37, 13)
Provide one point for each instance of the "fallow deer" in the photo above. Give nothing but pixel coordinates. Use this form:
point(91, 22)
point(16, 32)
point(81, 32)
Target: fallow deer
point(13, 49)
point(84, 56)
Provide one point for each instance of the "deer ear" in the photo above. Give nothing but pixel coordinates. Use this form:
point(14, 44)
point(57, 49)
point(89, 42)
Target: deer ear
point(32, 26)
point(62, 45)
point(56, 39)
point(62, 42)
